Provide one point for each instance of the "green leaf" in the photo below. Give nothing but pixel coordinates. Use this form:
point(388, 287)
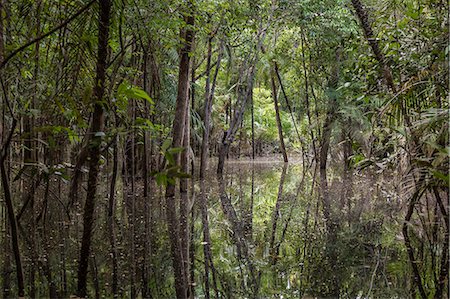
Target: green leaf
point(169, 157)
point(440, 175)
point(161, 179)
point(166, 144)
point(175, 150)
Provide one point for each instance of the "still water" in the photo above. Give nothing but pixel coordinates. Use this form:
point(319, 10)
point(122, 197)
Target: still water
point(269, 237)
point(262, 231)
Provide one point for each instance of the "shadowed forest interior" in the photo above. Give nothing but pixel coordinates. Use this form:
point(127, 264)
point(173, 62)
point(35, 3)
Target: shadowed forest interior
point(224, 149)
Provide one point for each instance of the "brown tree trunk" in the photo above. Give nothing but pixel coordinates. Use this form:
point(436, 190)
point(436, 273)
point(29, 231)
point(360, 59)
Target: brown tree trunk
point(209, 98)
point(276, 215)
point(412, 259)
point(177, 141)
point(278, 118)
point(97, 128)
point(111, 222)
point(10, 210)
point(252, 108)
point(184, 201)
point(241, 104)
point(373, 42)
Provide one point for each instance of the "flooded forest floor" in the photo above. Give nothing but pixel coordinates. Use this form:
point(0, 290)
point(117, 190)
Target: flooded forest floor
point(264, 230)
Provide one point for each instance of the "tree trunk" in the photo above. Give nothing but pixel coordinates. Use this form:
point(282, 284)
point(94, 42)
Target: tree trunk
point(209, 98)
point(111, 222)
point(373, 42)
point(236, 120)
point(10, 210)
point(184, 202)
point(276, 215)
point(278, 118)
point(241, 104)
point(95, 143)
point(253, 126)
point(177, 141)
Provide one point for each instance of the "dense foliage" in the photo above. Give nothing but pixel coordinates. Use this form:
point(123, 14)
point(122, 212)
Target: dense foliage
point(107, 106)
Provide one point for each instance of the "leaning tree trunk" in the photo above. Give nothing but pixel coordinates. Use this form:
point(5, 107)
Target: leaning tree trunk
point(236, 120)
point(373, 42)
point(240, 105)
point(278, 118)
point(177, 141)
point(97, 128)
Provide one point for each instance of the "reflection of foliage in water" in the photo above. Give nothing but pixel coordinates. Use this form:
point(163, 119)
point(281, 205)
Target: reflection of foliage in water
point(369, 258)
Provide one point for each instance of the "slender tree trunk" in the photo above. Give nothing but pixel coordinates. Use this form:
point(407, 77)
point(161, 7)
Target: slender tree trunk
point(412, 259)
point(94, 148)
point(236, 120)
point(145, 171)
point(111, 222)
point(373, 42)
point(209, 98)
point(253, 125)
point(308, 105)
point(276, 215)
point(177, 141)
point(206, 237)
point(132, 214)
point(277, 72)
point(184, 202)
point(10, 210)
point(241, 103)
point(278, 118)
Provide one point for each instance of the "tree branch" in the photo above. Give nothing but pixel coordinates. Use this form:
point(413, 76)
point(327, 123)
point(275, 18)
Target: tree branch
point(33, 41)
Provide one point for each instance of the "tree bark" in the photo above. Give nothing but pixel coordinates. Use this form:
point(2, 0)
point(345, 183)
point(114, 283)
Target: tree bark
point(111, 222)
point(373, 42)
point(278, 118)
point(97, 128)
point(276, 215)
point(10, 210)
point(177, 141)
point(184, 201)
point(209, 98)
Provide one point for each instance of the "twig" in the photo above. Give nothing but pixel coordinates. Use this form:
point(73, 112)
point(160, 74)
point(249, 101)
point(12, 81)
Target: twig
point(35, 40)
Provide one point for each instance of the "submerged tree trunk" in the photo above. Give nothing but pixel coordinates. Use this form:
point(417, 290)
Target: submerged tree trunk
point(184, 202)
point(177, 141)
point(330, 219)
point(95, 143)
point(10, 211)
point(111, 222)
point(276, 215)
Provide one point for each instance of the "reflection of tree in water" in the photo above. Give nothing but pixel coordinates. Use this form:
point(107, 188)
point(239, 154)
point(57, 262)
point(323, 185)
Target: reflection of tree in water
point(238, 236)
